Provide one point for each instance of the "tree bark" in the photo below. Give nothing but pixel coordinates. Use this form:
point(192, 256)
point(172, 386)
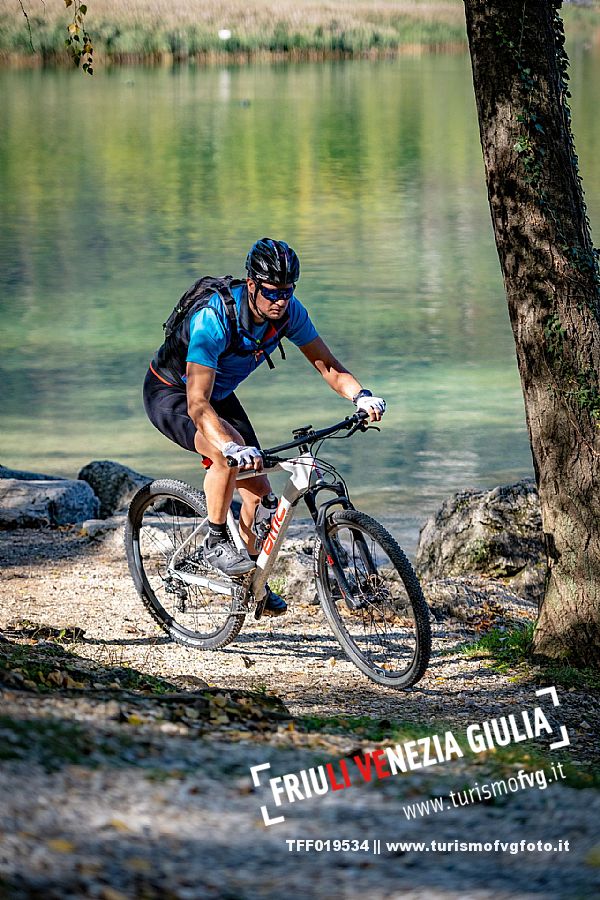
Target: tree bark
point(551, 279)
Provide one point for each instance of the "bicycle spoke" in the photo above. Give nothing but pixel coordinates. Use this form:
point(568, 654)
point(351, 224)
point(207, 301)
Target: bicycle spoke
point(168, 533)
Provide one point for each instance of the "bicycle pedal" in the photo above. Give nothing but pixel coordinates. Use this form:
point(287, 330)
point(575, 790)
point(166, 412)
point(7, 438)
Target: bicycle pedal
point(259, 610)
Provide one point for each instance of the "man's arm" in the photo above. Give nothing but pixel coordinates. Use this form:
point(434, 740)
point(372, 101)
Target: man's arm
point(218, 432)
point(199, 382)
point(211, 428)
point(335, 374)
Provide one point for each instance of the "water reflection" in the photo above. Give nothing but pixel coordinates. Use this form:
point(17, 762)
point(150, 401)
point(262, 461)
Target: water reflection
point(118, 192)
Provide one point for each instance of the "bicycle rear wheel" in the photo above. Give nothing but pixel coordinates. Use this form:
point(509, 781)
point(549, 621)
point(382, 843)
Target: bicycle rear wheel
point(388, 635)
point(165, 527)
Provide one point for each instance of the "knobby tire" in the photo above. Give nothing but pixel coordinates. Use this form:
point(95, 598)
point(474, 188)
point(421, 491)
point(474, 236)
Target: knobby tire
point(178, 496)
point(366, 650)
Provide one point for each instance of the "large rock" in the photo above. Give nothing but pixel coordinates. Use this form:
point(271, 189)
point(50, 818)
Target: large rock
point(108, 534)
point(494, 533)
point(27, 476)
point(113, 484)
point(34, 504)
point(295, 567)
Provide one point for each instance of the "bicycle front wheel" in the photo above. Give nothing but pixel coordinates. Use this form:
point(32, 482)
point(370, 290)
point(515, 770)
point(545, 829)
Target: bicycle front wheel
point(387, 635)
point(190, 600)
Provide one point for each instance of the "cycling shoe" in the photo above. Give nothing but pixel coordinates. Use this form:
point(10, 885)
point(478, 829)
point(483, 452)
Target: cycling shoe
point(225, 557)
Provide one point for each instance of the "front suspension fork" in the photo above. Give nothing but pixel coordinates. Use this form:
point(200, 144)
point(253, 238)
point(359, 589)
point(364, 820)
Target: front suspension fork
point(320, 518)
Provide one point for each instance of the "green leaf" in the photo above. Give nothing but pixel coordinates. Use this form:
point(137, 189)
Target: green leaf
point(83, 9)
point(522, 145)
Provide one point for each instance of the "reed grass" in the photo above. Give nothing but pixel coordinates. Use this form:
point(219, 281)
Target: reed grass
point(161, 30)
point(134, 30)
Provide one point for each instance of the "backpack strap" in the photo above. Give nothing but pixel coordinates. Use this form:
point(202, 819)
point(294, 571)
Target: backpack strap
point(226, 296)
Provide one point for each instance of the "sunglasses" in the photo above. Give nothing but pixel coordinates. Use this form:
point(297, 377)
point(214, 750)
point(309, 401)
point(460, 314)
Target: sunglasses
point(275, 294)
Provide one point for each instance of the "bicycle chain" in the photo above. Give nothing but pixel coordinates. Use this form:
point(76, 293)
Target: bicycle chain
point(241, 585)
point(241, 594)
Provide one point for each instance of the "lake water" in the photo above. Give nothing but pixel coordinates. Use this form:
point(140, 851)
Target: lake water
point(118, 191)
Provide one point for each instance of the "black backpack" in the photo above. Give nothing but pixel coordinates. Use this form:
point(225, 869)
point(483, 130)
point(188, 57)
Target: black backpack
point(203, 289)
point(168, 359)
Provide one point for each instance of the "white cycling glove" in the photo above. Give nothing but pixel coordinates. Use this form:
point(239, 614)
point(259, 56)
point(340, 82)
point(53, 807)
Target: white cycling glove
point(244, 456)
point(365, 402)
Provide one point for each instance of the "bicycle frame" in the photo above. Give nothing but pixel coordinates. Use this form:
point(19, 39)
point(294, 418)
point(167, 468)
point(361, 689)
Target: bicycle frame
point(305, 480)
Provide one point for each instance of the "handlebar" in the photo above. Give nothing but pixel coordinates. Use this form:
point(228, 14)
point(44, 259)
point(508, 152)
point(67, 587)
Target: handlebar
point(356, 422)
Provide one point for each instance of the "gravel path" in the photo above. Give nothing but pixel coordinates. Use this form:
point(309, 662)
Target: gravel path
point(160, 808)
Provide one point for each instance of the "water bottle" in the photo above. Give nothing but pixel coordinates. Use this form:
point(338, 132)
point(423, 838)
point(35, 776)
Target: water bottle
point(262, 518)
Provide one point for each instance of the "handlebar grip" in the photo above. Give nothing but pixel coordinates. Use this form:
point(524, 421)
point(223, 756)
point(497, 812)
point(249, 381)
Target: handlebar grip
point(232, 462)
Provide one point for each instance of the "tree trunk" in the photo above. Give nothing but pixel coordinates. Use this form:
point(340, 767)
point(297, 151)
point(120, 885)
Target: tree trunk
point(551, 279)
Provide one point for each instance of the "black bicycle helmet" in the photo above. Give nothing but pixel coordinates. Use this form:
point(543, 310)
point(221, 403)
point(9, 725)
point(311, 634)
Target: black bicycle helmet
point(273, 261)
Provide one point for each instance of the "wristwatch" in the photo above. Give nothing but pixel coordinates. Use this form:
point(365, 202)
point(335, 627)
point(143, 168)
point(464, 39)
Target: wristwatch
point(362, 393)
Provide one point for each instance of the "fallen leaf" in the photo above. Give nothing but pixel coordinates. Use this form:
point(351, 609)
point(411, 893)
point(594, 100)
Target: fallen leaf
point(109, 893)
point(60, 845)
point(134, 719)
point(89, 868)
point(593, 857)
point(138, 864)
point(119, 825)
point(219, 700)
point(219, 719)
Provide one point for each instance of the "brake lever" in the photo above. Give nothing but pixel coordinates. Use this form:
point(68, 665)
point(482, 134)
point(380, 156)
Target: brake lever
point(269, 462)
point(363, 425)
point(358, 426)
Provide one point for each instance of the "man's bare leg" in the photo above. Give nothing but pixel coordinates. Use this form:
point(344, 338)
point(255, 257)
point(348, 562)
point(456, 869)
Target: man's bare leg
point(219, 485)
point(251, 491)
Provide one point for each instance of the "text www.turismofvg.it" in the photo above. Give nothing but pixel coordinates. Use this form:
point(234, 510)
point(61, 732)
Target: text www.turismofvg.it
point(479, 793)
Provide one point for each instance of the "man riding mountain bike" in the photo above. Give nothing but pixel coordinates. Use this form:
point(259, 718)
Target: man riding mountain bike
point(189, 388)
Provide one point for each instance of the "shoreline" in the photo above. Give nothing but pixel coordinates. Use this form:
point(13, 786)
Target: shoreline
point(14, 61)
point(237, 33)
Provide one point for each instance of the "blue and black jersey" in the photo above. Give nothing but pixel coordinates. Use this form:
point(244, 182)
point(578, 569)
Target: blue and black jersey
point(206, 340)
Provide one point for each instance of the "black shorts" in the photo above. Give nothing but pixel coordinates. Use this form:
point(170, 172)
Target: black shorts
point(166, 407)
